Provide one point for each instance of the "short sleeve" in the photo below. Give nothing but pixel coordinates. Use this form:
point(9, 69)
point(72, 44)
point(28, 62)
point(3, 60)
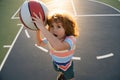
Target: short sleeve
point(71, 40)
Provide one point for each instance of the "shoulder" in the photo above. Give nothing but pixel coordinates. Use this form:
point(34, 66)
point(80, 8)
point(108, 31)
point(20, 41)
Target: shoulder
point(70, 38)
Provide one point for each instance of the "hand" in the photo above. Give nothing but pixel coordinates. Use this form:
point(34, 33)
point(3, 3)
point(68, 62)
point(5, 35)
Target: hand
point(38, 20)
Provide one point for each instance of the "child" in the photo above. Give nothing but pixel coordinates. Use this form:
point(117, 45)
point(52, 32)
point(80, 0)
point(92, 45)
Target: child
point(61, 37)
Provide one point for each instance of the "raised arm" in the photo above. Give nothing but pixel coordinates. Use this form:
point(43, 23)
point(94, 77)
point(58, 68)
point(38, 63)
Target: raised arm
point(54, 41)
point(39, 39)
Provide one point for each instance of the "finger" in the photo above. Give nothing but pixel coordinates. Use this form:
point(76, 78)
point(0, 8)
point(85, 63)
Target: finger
point(34, 22)
point(35, 15)
point(33, 18)
point(41, 17)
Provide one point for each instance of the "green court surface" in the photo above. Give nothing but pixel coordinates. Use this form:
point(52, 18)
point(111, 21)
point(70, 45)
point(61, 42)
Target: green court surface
point(114, 3)
point(9, 27)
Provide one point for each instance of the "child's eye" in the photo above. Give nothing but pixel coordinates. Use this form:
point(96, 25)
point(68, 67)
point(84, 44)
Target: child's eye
point(59, 26)
point(51, 26)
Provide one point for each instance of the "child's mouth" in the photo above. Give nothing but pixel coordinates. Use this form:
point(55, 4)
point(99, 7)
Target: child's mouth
point(55, 35)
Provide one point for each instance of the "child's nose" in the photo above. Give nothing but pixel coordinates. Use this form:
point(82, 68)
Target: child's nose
point(55, 30)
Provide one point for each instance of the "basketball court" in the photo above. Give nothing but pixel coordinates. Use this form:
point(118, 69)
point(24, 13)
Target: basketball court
point(97, 53)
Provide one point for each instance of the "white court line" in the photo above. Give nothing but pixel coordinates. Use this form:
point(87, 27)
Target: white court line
point(20, 25)
point(14, 15)
point(75, 13)
point(105, 56)
point(106, 5)
point(119, 0)
point(43, 49)
point(76, 58)
point(6, 46)
point(6, 56)
point(27, 34)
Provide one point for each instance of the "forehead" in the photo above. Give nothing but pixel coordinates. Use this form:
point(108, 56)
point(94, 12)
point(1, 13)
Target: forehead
point(56, 23)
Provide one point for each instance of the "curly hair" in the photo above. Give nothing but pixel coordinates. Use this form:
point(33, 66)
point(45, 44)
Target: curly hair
point(68, 22)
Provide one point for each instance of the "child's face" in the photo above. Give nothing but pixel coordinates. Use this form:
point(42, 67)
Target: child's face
point(57, 30)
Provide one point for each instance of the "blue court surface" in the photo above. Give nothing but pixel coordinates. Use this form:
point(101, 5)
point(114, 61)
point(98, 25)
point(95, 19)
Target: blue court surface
point(97, 53)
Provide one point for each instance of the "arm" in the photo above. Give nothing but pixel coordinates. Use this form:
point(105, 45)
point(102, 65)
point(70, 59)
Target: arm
point(54, 42)
point(39, 39)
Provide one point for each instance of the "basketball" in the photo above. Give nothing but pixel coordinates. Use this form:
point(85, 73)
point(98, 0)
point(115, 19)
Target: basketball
point(26, 13)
